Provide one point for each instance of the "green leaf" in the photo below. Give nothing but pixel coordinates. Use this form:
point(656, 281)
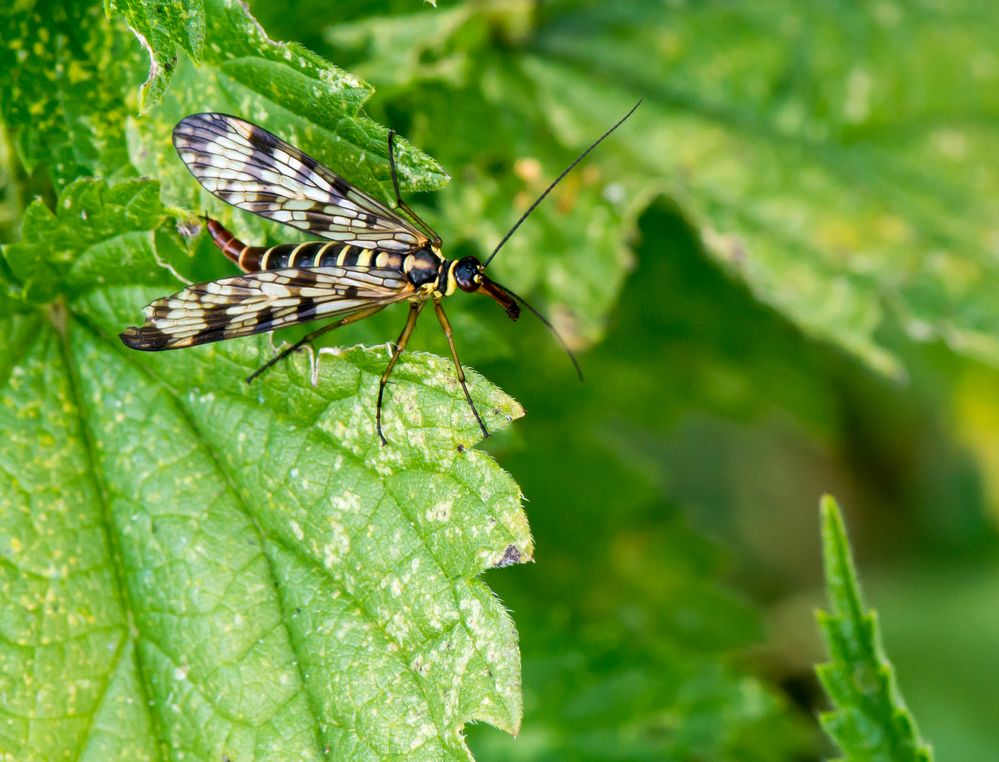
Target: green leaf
point(260, 577)
point(96, 235)
point(870, 720)
point(193, 565)
point(64, 73)
point(162, 28)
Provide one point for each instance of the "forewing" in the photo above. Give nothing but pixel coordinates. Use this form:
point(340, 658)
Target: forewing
point(248, 167)
point(262, 301)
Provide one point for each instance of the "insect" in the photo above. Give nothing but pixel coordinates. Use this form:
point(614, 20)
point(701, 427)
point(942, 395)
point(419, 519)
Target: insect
point(371, 257)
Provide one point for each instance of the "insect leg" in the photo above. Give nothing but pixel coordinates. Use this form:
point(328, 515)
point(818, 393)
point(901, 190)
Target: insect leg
point(434, 237)
point(446, 325)
point(309, 337)
point(400, 345)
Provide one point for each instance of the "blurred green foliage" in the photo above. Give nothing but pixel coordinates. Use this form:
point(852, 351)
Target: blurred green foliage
point(782, 272)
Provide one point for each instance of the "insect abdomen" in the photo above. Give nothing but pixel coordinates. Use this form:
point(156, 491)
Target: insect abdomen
point(300, 255)
point(289, 255)
point(228, 244)
point(318, 254)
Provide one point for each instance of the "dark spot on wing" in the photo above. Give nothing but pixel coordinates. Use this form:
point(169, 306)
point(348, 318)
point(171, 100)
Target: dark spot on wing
point(145, 337)
point(306, 308)
point(209, 334)
point(265, 317)
point(261, 139)
point(305, 278)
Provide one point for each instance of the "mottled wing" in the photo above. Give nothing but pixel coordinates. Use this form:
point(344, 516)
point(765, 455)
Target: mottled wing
point(263, 301)
point(248, 167)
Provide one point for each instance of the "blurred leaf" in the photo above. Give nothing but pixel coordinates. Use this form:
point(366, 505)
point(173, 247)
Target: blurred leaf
point(590, 696)
point(10, 197)
point(398, 51)
point(870, 720)
point(977, 417)
point(192, 564)
point(64, 72)
point(940, 619)
point(574, 252)
point(838, 181)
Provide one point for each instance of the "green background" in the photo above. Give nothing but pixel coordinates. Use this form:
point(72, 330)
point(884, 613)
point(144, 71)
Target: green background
point(781, 280)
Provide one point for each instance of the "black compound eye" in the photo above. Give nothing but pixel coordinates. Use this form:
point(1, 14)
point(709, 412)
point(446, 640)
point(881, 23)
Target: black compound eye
point(466, 274)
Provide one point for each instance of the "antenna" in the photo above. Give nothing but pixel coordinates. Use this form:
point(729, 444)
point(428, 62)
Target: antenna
point(551, 187)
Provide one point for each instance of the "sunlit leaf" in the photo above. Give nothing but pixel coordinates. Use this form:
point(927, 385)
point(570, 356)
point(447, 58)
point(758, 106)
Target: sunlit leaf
point(64, 75)
point(162, 28)
point(231, 571)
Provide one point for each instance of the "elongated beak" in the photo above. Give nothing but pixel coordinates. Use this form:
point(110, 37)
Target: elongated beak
point(501, 296)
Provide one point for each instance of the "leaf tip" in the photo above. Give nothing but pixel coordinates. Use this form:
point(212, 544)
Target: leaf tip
point(868, 711)
point(833, 529)
point(841, 575)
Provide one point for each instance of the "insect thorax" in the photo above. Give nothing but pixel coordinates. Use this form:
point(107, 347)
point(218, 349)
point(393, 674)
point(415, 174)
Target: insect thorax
point(426, 270)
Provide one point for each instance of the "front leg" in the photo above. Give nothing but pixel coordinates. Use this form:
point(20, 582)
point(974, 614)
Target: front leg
point(446, 326)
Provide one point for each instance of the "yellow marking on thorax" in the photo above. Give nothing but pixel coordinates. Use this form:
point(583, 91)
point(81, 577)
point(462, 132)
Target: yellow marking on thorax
point(364, 258)
point(265, 257)
point(382, 259)
point(452, 284)
point(342, 256)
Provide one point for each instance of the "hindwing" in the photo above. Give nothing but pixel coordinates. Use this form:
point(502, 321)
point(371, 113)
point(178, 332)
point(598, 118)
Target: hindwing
point(263, 301)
